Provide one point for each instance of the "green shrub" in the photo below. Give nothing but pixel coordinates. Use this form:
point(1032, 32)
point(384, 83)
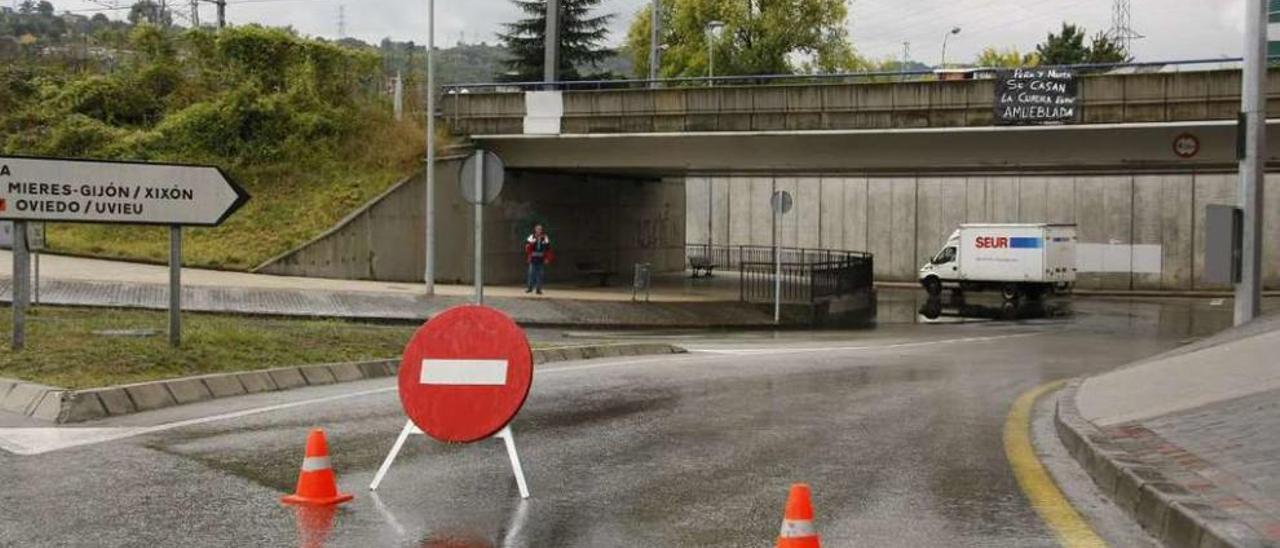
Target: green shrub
point(78, 135)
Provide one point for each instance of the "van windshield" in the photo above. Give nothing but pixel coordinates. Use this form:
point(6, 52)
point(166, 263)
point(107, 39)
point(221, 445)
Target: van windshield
point(945, 256)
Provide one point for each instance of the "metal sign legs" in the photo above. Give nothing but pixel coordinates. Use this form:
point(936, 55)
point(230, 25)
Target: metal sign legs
point(21, 284)
point(409, 428)
point(175, 286)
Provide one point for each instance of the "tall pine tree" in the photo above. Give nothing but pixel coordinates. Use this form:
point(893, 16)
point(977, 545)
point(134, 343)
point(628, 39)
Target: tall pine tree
point(581, 39)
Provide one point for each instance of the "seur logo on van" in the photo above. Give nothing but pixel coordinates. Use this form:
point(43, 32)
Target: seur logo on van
point(1004, 242)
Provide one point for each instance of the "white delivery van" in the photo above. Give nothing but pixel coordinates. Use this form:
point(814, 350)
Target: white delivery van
point(1015, 259)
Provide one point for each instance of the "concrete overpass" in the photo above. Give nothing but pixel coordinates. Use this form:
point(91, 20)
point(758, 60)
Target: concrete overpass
point(1126, 120)
point(885, 166)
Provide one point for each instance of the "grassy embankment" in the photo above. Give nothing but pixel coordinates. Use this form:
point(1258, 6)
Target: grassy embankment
point(305, 125)
point(72, 347)
point(68, 347)
point(288, 206)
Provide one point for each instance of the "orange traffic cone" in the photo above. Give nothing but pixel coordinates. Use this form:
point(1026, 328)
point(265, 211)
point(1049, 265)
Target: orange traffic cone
point(797, 520)
point(316, 483)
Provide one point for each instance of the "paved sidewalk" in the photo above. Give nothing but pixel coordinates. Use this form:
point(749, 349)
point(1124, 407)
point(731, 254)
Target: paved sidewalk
point(1188, 442)
point(94, 282)
point(674, 287)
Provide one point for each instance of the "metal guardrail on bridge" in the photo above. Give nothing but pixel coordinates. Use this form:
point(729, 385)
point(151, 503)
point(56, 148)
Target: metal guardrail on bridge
point(868, 76)
point(808, 275)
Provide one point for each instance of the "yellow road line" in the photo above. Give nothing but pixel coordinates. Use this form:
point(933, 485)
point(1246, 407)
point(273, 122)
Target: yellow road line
point(1058, 514)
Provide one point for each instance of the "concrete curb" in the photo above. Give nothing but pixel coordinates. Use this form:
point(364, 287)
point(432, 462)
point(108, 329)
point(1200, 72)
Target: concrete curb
point(1165, 509)
point(62, 406)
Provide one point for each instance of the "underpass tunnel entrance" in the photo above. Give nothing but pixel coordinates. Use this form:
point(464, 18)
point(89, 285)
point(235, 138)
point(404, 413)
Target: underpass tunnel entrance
point(600, 225)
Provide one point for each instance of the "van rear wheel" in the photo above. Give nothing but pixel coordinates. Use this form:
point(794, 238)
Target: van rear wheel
point(1010, 292)
point(932, 286)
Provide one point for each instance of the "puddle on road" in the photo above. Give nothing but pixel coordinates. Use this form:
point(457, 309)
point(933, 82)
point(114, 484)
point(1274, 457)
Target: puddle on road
point(1167, 317)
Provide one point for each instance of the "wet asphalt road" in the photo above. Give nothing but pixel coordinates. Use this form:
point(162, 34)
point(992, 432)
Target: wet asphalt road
point(897, 428)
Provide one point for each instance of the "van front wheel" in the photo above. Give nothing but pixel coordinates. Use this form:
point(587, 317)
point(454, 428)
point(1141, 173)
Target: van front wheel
point(932, 286)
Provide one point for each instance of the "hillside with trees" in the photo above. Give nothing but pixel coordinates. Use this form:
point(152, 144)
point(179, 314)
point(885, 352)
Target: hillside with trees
point(303, 124)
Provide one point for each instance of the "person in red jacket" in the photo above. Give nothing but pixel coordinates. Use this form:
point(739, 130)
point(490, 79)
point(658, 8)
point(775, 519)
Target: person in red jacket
point(537, 252)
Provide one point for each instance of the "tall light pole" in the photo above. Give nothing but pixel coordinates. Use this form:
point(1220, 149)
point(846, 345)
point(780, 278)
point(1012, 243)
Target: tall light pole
point(713, 32)
point(429, 276)
point(655, 30)
point(551, 60)
point(1248, 294)
point(954, 31)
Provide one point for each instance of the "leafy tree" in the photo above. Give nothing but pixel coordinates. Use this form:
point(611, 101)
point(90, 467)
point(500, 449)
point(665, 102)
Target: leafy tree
point(1010, 58)
point(44, 8)
point(758, 37)
point(581, 40)
point(1064, 48)
point(1103, 49)
point(1069, 48)
point(149, 11)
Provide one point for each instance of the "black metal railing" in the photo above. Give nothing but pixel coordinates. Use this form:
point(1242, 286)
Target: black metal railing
point(807, 274)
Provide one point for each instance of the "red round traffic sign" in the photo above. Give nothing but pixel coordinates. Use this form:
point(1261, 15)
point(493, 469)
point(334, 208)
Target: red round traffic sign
point(1186, 145)
point(465, 374)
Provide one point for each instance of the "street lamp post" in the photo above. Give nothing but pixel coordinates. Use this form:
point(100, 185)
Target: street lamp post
point(954, 31)
point(713, 32)
point(1253, 158)
point(655, 59)
point(429, 273)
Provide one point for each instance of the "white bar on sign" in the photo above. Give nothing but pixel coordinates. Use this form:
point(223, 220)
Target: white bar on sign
point(473, 372)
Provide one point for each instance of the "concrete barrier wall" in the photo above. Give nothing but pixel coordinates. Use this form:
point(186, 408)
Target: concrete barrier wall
point(613, 221)
point(1145, 230)
point(854, 104)
point(385, 239)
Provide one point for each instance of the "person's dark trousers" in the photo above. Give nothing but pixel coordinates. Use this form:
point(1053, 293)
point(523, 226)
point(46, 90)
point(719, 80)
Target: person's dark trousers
point(535, 277)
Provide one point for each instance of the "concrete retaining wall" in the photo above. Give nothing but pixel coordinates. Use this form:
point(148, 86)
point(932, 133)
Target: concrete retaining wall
point(1146, 231)
point(613, 221)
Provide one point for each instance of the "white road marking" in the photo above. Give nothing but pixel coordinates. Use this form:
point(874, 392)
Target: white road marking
point(36, 441)
point(800, 350)
point(44, 440)
point(464, 372)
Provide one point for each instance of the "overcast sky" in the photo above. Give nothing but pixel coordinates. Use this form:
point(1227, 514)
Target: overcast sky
point(1172, 29)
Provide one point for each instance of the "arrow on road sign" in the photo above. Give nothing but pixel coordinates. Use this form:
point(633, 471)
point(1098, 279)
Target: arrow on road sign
point(91, 191)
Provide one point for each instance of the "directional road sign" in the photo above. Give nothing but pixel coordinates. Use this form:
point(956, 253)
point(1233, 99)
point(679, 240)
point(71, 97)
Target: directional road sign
point(44, 189)
point(465, 374)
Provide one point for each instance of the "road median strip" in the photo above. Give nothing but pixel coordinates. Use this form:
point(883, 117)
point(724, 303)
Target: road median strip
point(62, 406)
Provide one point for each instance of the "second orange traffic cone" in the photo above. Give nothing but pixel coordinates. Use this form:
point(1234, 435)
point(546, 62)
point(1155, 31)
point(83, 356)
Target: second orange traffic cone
point(797, 521)
point(316, 482)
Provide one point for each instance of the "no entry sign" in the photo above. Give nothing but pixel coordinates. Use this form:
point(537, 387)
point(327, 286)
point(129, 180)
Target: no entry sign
point(465, 374)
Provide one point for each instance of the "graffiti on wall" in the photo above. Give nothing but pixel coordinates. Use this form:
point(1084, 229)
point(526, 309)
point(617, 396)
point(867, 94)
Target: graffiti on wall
point(654, 231)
